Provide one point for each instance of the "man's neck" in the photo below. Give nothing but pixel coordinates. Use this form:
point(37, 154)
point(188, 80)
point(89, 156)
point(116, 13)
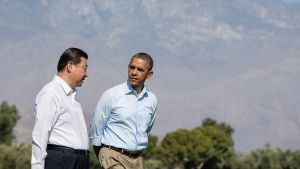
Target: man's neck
point(64, 77)
point(138, 90)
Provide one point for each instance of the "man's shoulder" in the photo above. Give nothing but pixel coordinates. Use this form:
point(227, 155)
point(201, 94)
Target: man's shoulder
point(117, 88)
point(114, 91)
point(152, 96)
point(51, 88)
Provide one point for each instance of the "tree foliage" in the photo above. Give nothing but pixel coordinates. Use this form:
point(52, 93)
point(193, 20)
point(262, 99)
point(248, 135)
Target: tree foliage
point(15, 156)
point(151, 151)
point(267, 158)
point(94, 162)
point(222, 126)
point(194, 148)
point(9, 117)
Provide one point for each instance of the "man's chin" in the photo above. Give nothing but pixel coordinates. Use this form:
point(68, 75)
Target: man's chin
point(79, 84)
point(133, 83)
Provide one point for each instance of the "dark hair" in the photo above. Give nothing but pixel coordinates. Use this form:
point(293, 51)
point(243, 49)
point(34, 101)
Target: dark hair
point(144, 56)
point(70, 55)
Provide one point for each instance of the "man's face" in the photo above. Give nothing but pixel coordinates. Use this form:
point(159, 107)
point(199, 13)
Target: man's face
point(79, 72)
point(138, 72)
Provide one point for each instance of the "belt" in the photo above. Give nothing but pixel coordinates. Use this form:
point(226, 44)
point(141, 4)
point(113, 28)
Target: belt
point(67, 149)
point(132, 154)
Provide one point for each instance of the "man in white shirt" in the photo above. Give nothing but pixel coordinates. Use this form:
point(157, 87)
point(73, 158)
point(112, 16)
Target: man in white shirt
point(59, 136)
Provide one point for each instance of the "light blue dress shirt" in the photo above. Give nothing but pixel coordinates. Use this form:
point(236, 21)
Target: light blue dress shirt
point(122, 119)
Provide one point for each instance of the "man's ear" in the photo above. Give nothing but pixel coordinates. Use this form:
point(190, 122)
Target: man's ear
point(150, 73)
point(69, 67)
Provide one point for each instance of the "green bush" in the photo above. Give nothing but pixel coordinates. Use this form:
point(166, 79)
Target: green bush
point(15, 156)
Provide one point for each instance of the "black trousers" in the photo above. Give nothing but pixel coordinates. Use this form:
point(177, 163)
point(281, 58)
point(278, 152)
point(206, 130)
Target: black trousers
point(66, 160)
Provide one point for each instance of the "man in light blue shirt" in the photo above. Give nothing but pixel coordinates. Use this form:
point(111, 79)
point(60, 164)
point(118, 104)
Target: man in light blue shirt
point(124, 117)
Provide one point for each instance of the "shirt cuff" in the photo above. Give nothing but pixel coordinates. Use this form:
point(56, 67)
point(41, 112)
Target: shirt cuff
point(37, 166)
point(96, 141)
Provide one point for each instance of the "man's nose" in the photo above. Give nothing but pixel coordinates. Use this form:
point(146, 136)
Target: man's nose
point(134, 71)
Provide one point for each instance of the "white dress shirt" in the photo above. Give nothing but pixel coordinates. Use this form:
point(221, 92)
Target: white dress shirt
point(58, 119)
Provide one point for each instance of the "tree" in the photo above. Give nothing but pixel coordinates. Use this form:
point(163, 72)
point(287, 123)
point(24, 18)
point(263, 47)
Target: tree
point(224, 144)
point(176, 148)
point(219, 150)
point(154, 164)
point(150, 151)
point(94, 161)
point(222, 126)
point(15, 156)
point(9, 117)
point(266, 158)
point(194, 148)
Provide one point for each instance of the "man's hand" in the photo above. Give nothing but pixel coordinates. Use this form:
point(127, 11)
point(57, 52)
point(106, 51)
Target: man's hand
point(96, 150)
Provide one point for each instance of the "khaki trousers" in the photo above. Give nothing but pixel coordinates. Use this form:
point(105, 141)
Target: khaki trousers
point(111, 159)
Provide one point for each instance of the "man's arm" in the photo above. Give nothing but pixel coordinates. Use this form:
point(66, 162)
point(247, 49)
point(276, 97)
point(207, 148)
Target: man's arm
point(153, 117)
point(99, 120)
point(45, 110)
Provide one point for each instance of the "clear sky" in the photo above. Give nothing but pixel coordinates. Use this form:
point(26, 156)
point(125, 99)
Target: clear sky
point(235, 61)
point(291, 1)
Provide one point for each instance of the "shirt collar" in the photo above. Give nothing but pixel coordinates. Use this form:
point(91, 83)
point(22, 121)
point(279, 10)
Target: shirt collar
point(129, 89)
point(67, 89)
